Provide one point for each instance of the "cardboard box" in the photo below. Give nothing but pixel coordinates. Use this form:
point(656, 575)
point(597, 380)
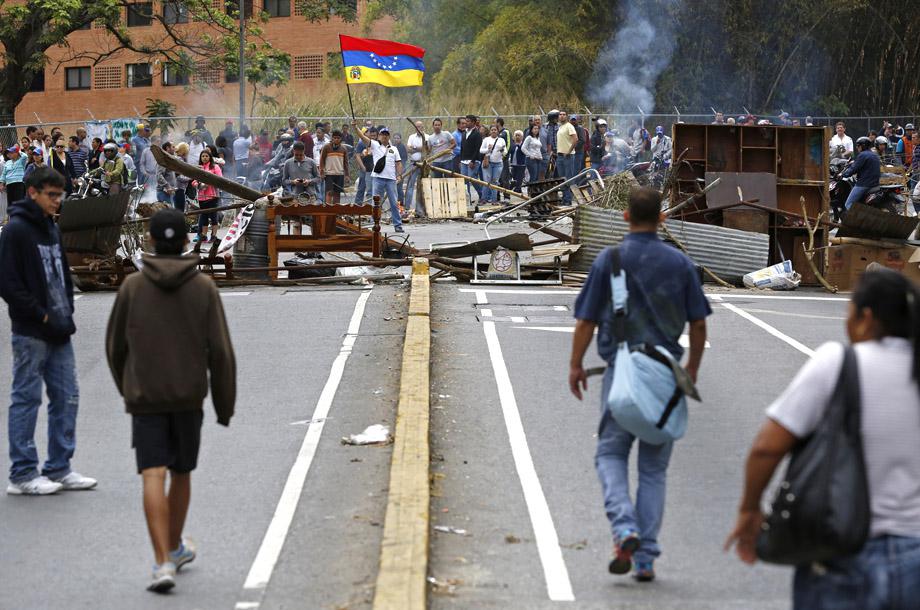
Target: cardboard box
point(847, 262)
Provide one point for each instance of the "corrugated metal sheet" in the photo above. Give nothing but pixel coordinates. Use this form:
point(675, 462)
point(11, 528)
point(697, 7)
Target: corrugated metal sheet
point(864, 221)
point(729, 253)
point(83, 223)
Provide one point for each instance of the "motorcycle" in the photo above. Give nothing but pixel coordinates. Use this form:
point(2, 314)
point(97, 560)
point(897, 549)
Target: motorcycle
point(887, 197)
point(839, 187)
point(90, 184)
point(650, 172)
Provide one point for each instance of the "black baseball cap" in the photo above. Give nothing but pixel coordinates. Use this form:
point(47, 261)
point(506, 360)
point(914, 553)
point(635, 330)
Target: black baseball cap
point(168, 226)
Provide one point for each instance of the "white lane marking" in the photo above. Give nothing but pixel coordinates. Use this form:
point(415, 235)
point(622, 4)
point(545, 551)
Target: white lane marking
point(549, 291)
point(776, 333)
point(795, 315)
point(235, 294)
point(744, 295)
point(734, 295)
point(246, 605)
point(485, 313)
point(560, 308)
point(518, 319)
point(77, 296)
point(558, 585)
point(263, 565)
point(684, 340)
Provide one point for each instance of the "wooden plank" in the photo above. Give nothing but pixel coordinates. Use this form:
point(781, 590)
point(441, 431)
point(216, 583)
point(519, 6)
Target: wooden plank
point(401, 580)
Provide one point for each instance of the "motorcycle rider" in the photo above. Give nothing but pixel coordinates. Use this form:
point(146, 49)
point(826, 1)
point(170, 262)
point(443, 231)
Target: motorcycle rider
point(113, 168)
point(867, 168)
point(884, 151)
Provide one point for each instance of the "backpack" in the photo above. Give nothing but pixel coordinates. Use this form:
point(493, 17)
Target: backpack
point(648, 394)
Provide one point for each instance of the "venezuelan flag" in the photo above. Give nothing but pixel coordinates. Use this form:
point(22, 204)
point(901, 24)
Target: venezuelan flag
point(387, 63)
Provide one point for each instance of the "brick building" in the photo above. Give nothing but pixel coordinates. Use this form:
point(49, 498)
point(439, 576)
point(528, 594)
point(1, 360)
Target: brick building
point(74, 88)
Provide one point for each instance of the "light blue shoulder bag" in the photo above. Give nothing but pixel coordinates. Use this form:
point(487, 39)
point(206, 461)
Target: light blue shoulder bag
point(645, 397)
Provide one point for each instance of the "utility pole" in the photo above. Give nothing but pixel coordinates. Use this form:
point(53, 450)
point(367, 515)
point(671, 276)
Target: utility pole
point(242, 7)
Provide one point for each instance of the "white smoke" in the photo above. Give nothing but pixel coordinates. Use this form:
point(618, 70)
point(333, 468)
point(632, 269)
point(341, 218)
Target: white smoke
point(628, 67)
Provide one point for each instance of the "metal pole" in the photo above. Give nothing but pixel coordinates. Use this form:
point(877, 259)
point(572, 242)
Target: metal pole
point(242, 75)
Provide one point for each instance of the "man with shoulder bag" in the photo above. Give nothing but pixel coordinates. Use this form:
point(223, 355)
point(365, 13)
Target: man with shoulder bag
point(639, 296)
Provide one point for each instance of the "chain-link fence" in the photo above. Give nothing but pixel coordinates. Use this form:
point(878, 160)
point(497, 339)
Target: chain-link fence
point(178, 127)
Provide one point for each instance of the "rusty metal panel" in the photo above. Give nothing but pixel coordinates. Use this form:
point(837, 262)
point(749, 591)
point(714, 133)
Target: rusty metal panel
point(89, 225)
point(729, 253)
point(864, 221)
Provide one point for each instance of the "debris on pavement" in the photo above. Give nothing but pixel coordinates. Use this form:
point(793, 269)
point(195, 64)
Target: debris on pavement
point(376, 434)
point(444, 587)
point(512, 539)
point(780, 276)
point(447, 529)
point(576, 546)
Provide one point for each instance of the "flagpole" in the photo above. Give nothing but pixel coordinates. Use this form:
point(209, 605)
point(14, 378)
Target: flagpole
point(347, 86)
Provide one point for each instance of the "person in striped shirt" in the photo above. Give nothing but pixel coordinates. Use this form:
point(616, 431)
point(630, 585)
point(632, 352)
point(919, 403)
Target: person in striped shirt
point(333, 167)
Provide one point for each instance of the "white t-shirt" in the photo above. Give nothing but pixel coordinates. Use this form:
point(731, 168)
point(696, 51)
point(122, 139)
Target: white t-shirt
point(378, 150)
point(439, 142)
point(494, 147)
point(846, 141)
point(415, 141)
point(318, 146)
point(890, 402)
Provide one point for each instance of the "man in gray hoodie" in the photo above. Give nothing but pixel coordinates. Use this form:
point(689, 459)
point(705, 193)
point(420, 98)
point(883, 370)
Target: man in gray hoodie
point(167, 331)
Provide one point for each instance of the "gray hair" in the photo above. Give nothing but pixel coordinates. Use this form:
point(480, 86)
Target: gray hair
point(518, 132)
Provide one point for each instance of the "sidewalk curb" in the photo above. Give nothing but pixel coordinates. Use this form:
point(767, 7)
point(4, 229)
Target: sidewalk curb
point(401, 581)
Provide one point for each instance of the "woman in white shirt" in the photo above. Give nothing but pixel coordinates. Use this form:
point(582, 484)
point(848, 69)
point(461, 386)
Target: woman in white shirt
point(533, 149)
point(884, 326)
point(493, 150)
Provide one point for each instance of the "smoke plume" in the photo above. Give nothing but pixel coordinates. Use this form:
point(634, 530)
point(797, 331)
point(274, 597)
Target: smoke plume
point(628, 66)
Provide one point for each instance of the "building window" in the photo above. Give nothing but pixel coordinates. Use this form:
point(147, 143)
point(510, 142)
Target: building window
point(107, 77)
point(38, 81)
point(233, 8)
point(309, 66)
point(139, 75)
point(77, 78)
point(277, 8)
point(140, 14)
point(175, 11)
point(173, 76)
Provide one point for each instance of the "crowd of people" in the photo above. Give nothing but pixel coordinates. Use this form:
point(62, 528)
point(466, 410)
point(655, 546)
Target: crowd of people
point(321, 160)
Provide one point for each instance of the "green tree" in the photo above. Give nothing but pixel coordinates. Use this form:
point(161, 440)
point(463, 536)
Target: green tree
point(29, 28)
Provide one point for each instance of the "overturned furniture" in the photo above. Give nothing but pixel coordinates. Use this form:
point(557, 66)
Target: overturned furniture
point(91, 233)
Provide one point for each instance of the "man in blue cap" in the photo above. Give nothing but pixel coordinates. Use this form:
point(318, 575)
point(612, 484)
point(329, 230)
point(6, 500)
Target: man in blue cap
point(661, 145)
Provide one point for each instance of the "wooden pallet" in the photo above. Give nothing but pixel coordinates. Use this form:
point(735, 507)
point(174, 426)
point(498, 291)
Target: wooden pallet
point(444, 197)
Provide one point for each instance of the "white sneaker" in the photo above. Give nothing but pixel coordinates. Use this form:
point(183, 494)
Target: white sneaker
point(39, 486)
point(163, 578)
point(76, 481)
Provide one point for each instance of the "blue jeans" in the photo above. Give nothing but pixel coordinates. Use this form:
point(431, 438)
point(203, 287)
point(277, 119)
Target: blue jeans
point(179, 199)
point(612, 464)
point(386, 188)
point(163, 196)
point(566, 167)
point(35, 360)
point(448, 165)
point(471, 170)
point(579, 167)
point(410, 203)
point(885, 575)
point(855, 195)
point(491, 174)
point(533, 169)
point(517, 177)
point(361, 187)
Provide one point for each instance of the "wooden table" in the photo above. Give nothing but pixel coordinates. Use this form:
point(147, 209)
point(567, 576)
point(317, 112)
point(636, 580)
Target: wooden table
point(324, 237)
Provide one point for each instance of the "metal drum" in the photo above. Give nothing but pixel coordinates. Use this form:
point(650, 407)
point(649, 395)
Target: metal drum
point(251, 251)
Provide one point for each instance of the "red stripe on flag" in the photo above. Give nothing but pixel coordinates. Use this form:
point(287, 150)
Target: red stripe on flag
point(381, 47)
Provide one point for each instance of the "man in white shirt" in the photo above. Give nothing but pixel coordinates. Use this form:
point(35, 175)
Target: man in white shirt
point(320, 139)
point(387, 170)
point(841, 139)
point(415, 147)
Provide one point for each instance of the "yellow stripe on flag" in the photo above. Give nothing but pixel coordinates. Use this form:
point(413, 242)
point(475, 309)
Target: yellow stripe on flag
point(359, 75)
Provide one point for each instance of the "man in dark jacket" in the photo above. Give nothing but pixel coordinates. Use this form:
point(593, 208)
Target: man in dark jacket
point(598, 144)
point(166, 333)
point(35, 283)
point(470, 157)
point(867, 168)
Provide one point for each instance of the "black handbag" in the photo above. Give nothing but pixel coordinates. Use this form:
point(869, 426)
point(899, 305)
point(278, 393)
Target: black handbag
point(821, 510)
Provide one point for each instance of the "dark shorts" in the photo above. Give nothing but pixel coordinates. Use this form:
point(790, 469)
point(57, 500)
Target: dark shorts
point(335, 184)
point(167, 439)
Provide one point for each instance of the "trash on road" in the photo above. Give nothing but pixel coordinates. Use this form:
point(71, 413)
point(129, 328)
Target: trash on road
point(780, 276)
point(444, 587)
point(512, 539)
point(447, 529)
point(376, 434)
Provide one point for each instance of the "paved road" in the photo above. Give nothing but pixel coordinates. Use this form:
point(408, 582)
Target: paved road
point(90, 550)
point(525, 489)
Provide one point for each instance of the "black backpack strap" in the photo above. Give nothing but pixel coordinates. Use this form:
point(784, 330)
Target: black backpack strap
point(619, 315)
point(669, 408)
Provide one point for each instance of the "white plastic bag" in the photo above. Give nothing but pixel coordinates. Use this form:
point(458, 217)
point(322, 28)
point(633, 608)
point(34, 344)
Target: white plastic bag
point(780, 276)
